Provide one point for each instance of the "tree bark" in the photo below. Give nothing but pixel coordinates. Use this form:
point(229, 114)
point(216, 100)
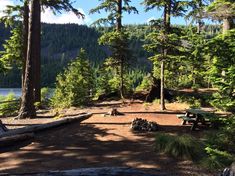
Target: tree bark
point(12, 140)
point(162, 86)
point(199, 26)
point(37, 53)
point(41, 127)
point(166, 20)
point(119, 29)
point(227, 24)
point(119, 18)
point(199, 20)
point(25, 31)
point(27, 109)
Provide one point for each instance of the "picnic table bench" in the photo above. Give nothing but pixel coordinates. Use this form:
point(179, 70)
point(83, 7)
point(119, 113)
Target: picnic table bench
point(195, 116)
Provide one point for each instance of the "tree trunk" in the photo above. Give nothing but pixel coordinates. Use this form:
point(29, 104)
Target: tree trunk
point(15, 139)
point(27, 109)
point(41, 127)
point(166, 20)
point(25, 31)
point(119, 18)
point(119, 28)
point(122, 79)
point(199, 26)
point(37, 53)
point(199, 20)
point(227, 24)
point(162, 86)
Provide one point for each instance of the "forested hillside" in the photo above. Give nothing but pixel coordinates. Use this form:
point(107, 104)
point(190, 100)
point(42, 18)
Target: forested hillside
point(62, 42)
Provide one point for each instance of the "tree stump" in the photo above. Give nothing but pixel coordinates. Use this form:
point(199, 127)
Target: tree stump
point(114, 112)
point(154, 91)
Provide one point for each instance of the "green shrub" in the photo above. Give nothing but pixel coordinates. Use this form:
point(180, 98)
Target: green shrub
point(145, 84)
point(220, 145)
point(224, 138)
point(156, 101)
point(184, 147)
point(217, 159)
point(74, 85)
point(9, 108)
point(220, 50)
point(223, 102)
point(192, 101)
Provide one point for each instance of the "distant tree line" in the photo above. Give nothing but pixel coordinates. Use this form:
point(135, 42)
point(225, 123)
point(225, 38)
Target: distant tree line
point(62, 42)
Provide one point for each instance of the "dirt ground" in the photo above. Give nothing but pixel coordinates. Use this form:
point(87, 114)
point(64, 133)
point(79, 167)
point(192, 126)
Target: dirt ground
point(99, 141)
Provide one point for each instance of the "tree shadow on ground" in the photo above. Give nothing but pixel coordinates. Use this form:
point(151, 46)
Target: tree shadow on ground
point(16, 147)
point(79, 146)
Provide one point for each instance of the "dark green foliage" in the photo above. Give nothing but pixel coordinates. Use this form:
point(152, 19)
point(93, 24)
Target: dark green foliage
point(221, 50)
point(145, 84)
point(184, 147)
point(5, 34)
point(217, 159)
point(12, 54)
point(223, 139)
point(74, 86)
point(194, 66)
point(220, 144)
point(107, 80)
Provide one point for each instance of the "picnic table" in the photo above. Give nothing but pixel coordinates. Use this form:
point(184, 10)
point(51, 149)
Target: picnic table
point(195, 116)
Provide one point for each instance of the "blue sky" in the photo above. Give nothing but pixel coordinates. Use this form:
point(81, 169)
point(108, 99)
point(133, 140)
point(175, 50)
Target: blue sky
point(85, 5)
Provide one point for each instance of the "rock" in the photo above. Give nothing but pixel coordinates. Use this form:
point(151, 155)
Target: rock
point(143, 125)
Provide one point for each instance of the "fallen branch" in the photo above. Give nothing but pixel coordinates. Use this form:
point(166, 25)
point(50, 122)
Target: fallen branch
point(10, 140)
point(36, 128)
point(110, 171)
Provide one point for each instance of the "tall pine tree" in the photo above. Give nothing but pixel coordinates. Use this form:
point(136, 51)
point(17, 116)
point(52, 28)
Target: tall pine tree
point(170, 8)
point(117, 39)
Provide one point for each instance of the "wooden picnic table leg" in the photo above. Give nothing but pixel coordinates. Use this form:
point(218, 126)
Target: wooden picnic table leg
point(183, 122)
point(195, 123)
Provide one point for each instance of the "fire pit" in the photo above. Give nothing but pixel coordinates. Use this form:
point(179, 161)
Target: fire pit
point(143, 125)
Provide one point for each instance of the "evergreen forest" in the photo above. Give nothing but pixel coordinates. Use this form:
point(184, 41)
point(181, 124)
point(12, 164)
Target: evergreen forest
point(118, 99)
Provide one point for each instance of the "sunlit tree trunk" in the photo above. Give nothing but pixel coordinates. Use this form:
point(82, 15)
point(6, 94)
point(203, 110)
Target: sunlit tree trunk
point(227, 24)
point(27, 109)
point(166, 20)
point(119, 28)
point(162, 85)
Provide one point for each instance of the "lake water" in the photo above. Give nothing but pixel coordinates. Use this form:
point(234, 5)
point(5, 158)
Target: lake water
point(5, 91)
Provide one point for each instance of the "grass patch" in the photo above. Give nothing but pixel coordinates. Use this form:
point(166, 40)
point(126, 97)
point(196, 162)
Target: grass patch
point(183, 147)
